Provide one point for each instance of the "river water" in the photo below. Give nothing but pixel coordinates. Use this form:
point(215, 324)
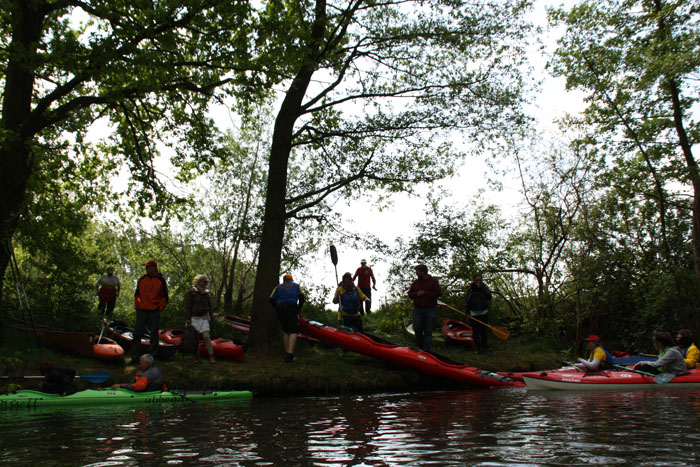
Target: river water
point(479, 427)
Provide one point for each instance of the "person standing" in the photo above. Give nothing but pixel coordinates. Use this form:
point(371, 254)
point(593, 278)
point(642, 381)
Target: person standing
point(150, 299)
point(288, 299)
point(478, 302)
point(364, 275)
point(108, 288)
point(424, 292)
point(199, 313)
point(349, 297)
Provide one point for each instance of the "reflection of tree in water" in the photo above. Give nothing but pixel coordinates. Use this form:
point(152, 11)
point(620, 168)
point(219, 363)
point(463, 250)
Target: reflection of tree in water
point(443, 425)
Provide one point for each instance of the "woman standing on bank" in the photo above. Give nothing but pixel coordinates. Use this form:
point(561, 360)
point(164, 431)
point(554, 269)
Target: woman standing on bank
point(199, 312)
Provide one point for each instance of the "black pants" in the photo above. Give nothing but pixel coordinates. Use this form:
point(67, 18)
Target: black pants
point(354, 322)
point(481, 341)
point(367, 305)
point(145, 319)
point(649, 369)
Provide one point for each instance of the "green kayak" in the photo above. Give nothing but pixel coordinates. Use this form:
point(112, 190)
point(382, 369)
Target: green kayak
point(28, 398)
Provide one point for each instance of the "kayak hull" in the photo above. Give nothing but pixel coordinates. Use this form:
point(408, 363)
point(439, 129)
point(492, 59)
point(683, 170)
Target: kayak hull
point(124, 337)
point(90, 397)
point(571, 379)
point(458, 331)
point(243, 324)
point(429, 363)
point(107, 350)
point(223, 348)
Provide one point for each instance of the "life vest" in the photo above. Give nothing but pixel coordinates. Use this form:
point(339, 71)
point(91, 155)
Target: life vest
point(350, 301)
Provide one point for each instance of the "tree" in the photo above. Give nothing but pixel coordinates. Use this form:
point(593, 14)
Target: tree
point(147, 69)
point(372, 91)
point(638, 60)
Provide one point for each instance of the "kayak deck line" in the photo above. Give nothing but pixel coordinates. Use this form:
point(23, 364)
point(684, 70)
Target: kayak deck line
point(426, 362)
point(31, 399)
point(607, 380)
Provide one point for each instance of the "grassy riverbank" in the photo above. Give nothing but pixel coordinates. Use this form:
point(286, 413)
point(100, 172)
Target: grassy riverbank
point(319, 369)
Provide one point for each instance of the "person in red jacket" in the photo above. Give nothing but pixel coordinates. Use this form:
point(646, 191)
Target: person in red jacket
point(150, 298)
point(424, 292)
point(364, 275)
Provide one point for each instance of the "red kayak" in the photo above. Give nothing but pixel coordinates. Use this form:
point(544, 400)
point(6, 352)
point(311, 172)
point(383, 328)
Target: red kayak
point(457, 331)
point(243, 324)
point(429, 363)
point(124, 337)
point(107, 349)
point(625, 380)
point(223, 348)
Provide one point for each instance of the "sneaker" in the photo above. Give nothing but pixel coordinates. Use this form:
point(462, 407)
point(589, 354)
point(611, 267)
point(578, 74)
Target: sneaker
point(289, 358)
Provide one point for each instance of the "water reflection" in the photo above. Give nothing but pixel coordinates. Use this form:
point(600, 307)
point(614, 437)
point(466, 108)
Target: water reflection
point(502, 427)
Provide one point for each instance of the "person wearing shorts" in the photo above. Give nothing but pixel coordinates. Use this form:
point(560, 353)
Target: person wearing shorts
point(287, 299)
point(199, 312)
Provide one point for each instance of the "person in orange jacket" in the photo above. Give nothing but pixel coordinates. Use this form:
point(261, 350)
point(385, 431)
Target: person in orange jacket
point(148, 378)
point(150, 298)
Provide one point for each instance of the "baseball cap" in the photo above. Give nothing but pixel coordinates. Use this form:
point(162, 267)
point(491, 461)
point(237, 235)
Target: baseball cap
point(151, 263)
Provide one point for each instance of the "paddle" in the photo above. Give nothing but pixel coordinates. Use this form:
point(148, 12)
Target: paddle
point(189, 398)
point(104, 323)
point(334, 259)
point(498, 331)
point(99, 377)
point(661, 378)
point(571, 364)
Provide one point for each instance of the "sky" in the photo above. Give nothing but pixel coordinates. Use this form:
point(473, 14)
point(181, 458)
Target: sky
point(552, 102)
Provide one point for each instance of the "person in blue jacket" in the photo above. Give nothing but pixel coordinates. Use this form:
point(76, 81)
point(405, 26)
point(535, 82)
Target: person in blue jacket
point(350, 299)
point(287, 299)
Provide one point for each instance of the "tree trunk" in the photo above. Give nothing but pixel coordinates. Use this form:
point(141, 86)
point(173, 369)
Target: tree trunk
point(264, 331)
point(15, 138)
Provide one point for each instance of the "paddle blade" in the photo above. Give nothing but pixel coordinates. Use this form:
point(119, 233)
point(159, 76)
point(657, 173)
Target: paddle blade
point(99, 377)
point(664, 378)
point(501, 333)
point(334, 255)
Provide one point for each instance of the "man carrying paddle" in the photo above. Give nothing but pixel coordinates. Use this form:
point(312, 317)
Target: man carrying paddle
point(478, 302)
point(424, 292)
point(350, 298)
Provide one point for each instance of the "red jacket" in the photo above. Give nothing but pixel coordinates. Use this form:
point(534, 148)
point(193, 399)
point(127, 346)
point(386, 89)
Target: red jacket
point(364, 273)
point(151, 293)
point(431, 291)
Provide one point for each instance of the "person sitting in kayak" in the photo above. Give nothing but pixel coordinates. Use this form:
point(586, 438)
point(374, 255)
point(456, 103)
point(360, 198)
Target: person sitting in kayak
point(148, 378)
point(57, 380)
point(349, 298)
point(670, 357)
point(688, 348)
point(599, 358)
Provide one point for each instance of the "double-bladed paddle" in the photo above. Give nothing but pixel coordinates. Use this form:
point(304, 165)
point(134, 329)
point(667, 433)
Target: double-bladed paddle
point(99, 377)
point(662, 378)
point(573, 365)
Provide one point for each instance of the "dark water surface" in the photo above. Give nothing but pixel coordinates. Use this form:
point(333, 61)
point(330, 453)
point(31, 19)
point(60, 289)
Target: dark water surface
point(498, 427)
